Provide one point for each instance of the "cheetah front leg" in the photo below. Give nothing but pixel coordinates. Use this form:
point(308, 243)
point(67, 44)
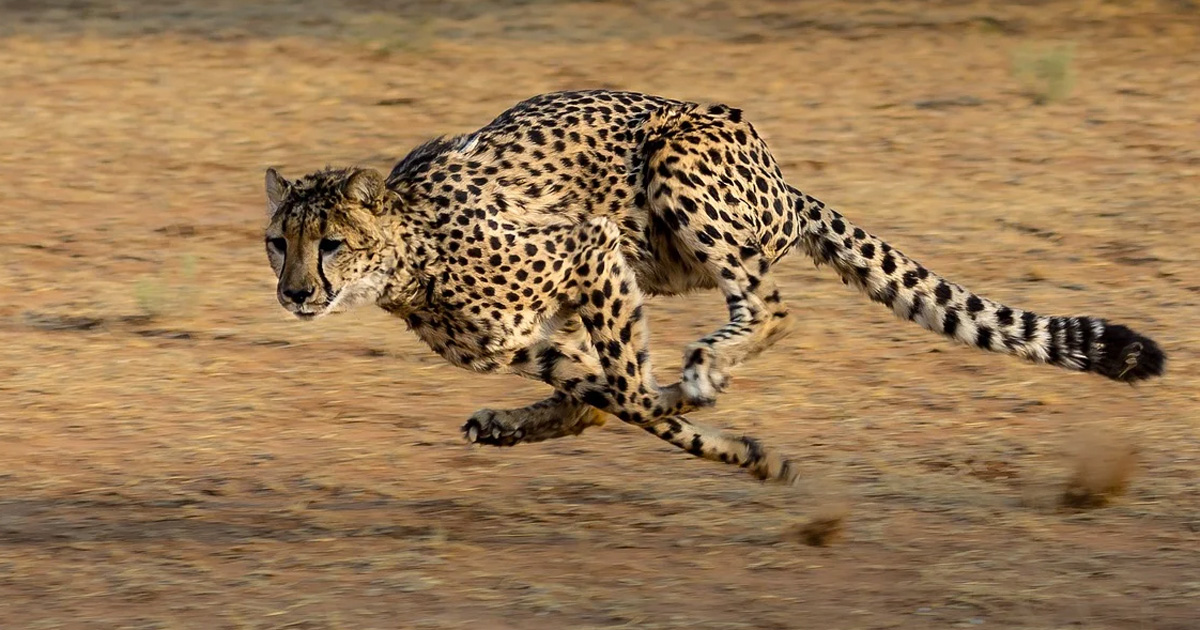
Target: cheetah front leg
point(604, 292)
point(555, 417)
point(566, 354)
point(568, 359)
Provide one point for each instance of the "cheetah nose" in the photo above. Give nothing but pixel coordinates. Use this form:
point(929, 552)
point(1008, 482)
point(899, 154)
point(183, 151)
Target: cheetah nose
point(299, 296)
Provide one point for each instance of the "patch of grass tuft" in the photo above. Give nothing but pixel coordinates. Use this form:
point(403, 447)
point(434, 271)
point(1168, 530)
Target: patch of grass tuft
point(1045, 71)
point(162, 293)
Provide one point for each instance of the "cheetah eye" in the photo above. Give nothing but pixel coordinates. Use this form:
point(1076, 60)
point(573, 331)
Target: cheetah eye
point(329, 245)
point(278, 243)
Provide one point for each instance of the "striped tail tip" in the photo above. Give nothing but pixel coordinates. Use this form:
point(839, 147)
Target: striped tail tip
point(1127, 356)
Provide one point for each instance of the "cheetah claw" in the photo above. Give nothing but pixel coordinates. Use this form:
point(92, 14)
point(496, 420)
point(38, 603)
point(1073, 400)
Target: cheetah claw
point(483, 428)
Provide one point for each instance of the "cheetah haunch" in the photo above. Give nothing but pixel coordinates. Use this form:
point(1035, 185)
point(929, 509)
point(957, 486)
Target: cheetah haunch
point(528, 247)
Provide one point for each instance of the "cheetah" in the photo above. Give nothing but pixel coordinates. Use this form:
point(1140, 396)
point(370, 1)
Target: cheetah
point(529, 247)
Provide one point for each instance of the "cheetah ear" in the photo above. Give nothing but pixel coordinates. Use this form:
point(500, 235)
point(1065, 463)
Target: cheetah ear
point(365, 186)
point(277, 188)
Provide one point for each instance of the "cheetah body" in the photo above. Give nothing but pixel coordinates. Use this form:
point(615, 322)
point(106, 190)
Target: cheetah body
point(529, 245)
point(523, 193)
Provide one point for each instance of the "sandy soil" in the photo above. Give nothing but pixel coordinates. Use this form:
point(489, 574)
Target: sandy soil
point(175, 452)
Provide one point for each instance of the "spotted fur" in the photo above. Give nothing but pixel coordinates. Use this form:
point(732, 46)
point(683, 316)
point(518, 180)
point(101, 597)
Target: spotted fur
point(529, 246)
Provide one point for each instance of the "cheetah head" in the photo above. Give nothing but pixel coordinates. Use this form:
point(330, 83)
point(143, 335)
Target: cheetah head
point(325, 241)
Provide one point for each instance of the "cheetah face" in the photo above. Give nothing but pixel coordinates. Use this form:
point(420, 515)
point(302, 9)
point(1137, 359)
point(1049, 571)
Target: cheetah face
point(324, 240)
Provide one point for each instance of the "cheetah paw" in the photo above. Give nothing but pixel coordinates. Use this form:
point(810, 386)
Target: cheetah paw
point(485, 427)
point(703, 376)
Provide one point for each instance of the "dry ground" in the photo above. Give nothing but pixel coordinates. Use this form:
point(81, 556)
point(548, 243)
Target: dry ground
point(176, 453)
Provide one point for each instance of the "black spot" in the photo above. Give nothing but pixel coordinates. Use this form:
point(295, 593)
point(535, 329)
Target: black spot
point(754, 450)
point(1028, 325)
point(942, 293)
point(829, 249)
point(1086, 334)
point(868, 251)
point(974, 304)
point(984, 338)
point(1004, 316)
point(887, 295)
point(1071, 334)
point(950, 323)
point(918, 303)
point(1053, 325)
point(889, 264)
point(595, 398)
point(547, 360)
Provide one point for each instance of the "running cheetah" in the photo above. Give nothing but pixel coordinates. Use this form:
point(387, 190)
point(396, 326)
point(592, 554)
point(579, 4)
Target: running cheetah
point(528, 247)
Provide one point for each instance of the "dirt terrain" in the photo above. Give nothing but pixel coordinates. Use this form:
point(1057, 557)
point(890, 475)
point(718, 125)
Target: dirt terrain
point(176, 452)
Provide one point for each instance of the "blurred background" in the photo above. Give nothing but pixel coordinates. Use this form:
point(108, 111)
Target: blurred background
point(177, 452)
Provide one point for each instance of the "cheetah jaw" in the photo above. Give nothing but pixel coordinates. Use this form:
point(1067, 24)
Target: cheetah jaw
point(365, 290)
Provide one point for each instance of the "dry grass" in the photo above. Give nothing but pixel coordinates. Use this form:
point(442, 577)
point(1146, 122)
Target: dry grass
point(182, 455)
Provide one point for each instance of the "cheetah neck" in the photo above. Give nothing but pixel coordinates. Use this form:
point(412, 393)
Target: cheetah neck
point(409, 255)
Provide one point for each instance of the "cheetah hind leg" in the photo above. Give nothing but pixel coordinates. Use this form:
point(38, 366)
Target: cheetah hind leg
point(555, 417)
point(744, 451)
point(758, 319)
point(721, 208)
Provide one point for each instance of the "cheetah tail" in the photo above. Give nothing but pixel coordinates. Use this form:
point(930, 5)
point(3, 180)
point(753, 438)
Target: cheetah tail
point(1084, 344)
